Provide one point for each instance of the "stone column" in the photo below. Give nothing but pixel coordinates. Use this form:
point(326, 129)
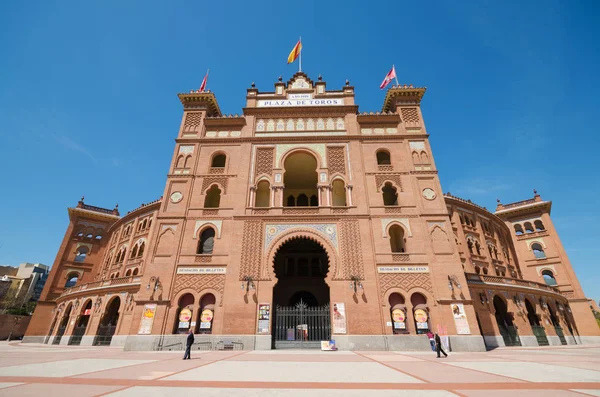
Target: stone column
point(349, 195)
point(252, 195)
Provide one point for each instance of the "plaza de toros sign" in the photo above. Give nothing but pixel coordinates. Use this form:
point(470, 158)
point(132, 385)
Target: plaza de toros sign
point(298, 100)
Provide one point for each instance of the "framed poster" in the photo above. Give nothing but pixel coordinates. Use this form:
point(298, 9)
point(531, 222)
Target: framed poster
point(399, 317)
point(206, 318)
point(421, 318)
point(339, 318)
point(460, 319)
point(264, 317)
point(147, 319)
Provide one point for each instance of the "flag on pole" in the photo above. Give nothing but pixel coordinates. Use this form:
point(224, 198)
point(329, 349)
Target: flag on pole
point(204, 80)
point(388, 78)
point(295, 52)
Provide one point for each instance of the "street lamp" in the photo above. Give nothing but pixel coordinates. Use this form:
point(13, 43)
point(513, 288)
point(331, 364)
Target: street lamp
point(452, 281)
point(249, 284)
point(355, 284)
point(157, 284)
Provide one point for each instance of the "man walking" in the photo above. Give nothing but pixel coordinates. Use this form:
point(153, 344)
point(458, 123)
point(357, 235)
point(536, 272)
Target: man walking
point(190, 342)
point(438, 346)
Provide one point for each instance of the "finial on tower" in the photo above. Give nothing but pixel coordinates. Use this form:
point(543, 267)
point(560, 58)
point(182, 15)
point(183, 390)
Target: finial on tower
point(82, 197)
point(498, 200)
point(535, 192)
point(253, 85)
point(347, 82)
point(280, 78)
point(320, 78)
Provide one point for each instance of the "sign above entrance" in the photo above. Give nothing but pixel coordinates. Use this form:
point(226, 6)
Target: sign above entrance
point(270, 103)
point(402, 269)
point(201, 270)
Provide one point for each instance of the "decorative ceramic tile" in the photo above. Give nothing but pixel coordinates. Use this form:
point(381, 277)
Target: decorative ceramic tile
point(328, 230)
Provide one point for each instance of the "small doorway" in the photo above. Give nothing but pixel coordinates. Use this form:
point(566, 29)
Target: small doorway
point(62, 326)
point(538, 330)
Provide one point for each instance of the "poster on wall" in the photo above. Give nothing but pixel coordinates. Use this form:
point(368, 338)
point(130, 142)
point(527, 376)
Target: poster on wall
point(147, 319)
point(328, 345)
point(184, 318)
point(206, 318)
point(264, 315)
point(339, 318)
point(421, 318)
point(399, 318)
point(460, 319)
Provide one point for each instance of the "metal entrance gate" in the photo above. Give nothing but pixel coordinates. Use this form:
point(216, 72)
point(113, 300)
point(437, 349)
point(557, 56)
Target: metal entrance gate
point(301, 326)
point(540, 335)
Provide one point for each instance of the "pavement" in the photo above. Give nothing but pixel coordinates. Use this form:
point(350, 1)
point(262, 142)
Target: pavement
point(42, 370)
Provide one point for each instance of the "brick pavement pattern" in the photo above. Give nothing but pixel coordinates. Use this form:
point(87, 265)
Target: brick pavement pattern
point(36, 370)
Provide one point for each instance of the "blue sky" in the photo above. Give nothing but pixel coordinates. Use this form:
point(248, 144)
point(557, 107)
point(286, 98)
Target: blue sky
point(88, 100)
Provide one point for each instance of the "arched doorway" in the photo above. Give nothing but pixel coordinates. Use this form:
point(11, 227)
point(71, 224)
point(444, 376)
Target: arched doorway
point(108, 323)
point(64, 322)
point(81, 325)
point(505, 323)
point(534, 321)
point(556, 322)
point(301, 296)
point(184, 317)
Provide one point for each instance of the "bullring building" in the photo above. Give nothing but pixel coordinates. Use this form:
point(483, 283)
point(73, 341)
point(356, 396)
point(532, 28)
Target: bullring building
point(304, 220)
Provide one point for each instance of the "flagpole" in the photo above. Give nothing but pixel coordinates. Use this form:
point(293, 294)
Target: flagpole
point(396, 77)
point(300, 62)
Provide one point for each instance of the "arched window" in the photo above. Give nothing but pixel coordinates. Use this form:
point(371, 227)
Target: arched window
point(291, 201)
point(213, 197)
point(134, 251)
point(81, 253)
point(528, 227)
point(462, 220)
point(98, 237)
point(263, 194)
point(300, 177)
point(477, 269)
point(141, 250)
point(518, 229)
point(383, 157)
point(71, 280)
point(128, 273)
point(549, 277)
point(477, 247)
point(314, 201)
point(397, 239)
point(207, 241)
point(339, 193)
point(135, 271)
point(80, 234)
point(219, 161)
point(398, 313)
point(302, 200)
point(470, 246)
point(89, 235)
point(390, 195)
point(539, 226)
point(538, 251)
point(485, 270)
point(206, 314)
point(420, 312)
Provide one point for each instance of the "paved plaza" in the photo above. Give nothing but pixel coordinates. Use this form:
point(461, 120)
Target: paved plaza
point(40, 370)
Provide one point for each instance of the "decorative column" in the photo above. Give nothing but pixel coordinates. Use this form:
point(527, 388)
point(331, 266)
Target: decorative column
point(272, 200)
point(252, 194)
point(349, 195)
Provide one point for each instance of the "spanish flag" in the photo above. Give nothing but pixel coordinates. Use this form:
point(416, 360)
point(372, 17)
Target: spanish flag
point(295, 52)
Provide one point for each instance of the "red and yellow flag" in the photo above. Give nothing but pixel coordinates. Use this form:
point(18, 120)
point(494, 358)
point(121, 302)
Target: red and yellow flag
point(295, 52)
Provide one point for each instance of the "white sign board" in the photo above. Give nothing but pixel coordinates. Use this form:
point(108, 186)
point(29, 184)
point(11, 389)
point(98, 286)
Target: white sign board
point(201, 270)
point(273, 103)
point(402, 269)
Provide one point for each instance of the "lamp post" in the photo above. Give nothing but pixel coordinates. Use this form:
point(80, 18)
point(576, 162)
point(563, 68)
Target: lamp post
point(157, 284)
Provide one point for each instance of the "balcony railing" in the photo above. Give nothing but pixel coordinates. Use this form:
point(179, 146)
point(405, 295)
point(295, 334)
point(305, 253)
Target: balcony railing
point(102, 284)
point(481, 278)
point(518, 203)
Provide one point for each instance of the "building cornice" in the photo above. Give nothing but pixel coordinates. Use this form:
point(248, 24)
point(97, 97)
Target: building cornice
point(402, 94)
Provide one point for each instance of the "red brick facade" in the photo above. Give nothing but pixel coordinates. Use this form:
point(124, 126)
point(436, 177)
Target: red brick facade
point(302, 196)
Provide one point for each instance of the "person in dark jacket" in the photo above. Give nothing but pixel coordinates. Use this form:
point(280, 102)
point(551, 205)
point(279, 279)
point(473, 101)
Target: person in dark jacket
point(438, 346)
point(190, 342)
